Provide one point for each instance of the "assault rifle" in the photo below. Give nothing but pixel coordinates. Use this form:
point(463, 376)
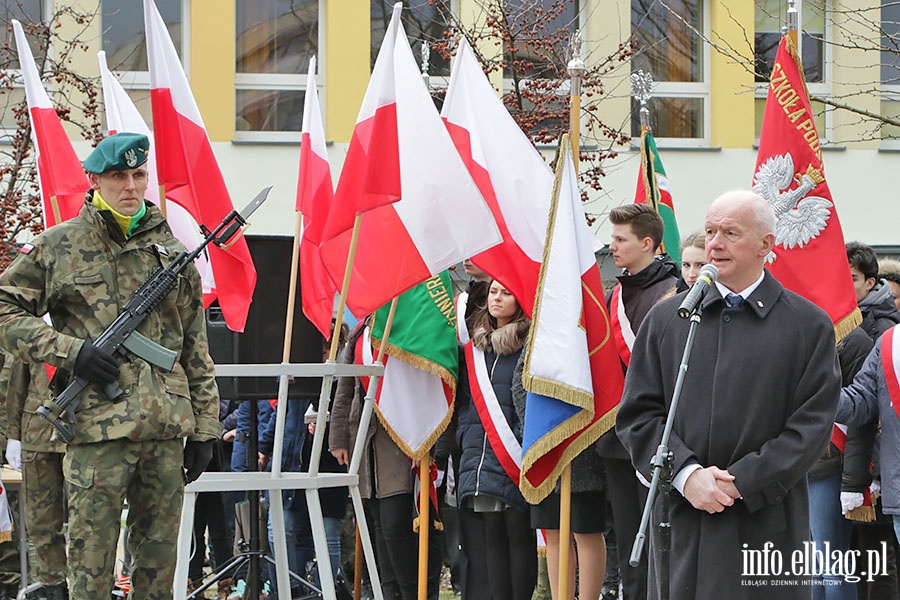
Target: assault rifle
point(122, 335)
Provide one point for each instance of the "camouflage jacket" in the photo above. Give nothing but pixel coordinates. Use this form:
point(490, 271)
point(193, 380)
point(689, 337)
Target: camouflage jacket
point(27, 386)
point(82, 272)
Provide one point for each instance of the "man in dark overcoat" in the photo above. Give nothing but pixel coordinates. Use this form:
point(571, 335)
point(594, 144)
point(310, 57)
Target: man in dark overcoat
point(755, 412)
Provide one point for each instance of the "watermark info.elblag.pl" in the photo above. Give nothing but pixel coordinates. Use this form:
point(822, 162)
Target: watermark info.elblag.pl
point(814, 564)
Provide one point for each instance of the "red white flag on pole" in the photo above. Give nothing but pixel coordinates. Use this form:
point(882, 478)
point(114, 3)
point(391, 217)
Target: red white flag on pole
point(59, 171)
point(187, 167)
point(809, 256)
point(572, 370)
point(510, 174)
point(314, 198)
point(402, 162)
point(123, 115)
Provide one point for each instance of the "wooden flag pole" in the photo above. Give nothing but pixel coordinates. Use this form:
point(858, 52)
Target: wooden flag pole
point(162, 200)
point(424, 523)
point(54, 206)
point(793, 18)
point(576, 69)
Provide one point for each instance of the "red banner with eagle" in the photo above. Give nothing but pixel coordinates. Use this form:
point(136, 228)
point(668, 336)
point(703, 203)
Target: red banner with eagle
point(809, 257)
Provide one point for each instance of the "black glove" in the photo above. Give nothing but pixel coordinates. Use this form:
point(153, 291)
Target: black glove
point(96, 365)
point(196, 458)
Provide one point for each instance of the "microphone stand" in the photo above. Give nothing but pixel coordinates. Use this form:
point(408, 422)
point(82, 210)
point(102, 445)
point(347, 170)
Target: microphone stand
point(661, 483)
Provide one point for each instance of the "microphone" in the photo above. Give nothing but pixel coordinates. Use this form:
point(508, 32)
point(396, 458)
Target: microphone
point(708, 274)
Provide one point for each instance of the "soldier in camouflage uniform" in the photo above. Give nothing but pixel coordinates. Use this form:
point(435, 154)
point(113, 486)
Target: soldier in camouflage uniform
point(43, 485)
point(82, 272)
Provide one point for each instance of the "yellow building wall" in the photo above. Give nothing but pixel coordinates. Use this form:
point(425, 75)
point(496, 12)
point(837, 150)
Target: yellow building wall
point(731, 122)
point(347, 65)
point(211, 72)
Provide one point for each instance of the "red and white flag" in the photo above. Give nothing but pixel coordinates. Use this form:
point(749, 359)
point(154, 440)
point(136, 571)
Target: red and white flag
point(60, 173)
point(572, 370)
point(511, 175)
point(406, 178)
point(809, 257)
point(187, 167)
point(315, 194)
point(123, 115)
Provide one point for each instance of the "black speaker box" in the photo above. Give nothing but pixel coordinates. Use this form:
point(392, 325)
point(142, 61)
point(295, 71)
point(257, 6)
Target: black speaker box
point(263, 338)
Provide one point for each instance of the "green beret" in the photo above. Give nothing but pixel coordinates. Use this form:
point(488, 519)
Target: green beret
point(118, 152)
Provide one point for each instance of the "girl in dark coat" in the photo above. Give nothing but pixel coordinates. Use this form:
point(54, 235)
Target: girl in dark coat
point(493, 513)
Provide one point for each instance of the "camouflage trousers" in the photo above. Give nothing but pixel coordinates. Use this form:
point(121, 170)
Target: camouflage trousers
point(98, 478)
point(45, 515)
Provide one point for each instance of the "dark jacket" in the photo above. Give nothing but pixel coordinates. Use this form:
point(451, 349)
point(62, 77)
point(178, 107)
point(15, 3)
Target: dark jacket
point(878, 310)
point(480, 472)
point(852, 352)
point(758, 400)
point(864, 401)
point(640, 292)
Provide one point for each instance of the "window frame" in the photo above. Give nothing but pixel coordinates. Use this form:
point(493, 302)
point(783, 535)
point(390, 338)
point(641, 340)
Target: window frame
point(280, 82)
point(822, 88)
point(688, 89)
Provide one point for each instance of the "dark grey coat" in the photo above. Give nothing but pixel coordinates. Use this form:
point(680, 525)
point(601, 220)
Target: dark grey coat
point(759, 400)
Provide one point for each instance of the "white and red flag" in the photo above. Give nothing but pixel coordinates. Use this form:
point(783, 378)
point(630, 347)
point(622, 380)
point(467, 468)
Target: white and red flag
point(60, 173)
point(403, 174)
point(513, 178)
point(809, 257)
point(123, 115)
point(572, 370)
point(315, 194)
point(187, 167)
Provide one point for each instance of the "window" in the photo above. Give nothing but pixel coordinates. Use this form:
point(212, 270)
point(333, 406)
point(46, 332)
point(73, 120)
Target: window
point(26, 11)
point(124, 41)
point(669, 47)
point(890, 70)
point(770, 16)
point(275, 40)
point(423, 20)
point(536, 54)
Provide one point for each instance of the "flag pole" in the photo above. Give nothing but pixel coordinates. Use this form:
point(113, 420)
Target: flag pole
point(424, 523)
point(424, 463)
point(162, 199)
point(793, 18)
point(54, 206)
point(576, 69)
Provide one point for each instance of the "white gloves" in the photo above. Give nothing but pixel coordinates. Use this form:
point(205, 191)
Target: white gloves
point(14, 454)
point(850, 500)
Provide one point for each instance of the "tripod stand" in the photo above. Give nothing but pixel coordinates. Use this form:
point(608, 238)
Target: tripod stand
point(250, 549)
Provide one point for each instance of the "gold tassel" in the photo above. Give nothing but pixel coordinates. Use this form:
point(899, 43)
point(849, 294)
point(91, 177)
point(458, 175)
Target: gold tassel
point(5, 536)
point(864, 514)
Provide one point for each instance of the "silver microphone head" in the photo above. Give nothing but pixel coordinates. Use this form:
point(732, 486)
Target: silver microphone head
point(709, 272)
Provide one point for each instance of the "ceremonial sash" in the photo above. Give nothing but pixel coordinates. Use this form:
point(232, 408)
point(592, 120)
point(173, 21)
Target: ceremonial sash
point(503, 441)
point(462, 330)
point(363, 355)
point(623, 333)
point(890, 354)
point(839, 436)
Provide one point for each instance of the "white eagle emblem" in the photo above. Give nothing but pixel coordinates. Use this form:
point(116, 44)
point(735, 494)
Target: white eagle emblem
point(131, 158)
point(800, 217)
